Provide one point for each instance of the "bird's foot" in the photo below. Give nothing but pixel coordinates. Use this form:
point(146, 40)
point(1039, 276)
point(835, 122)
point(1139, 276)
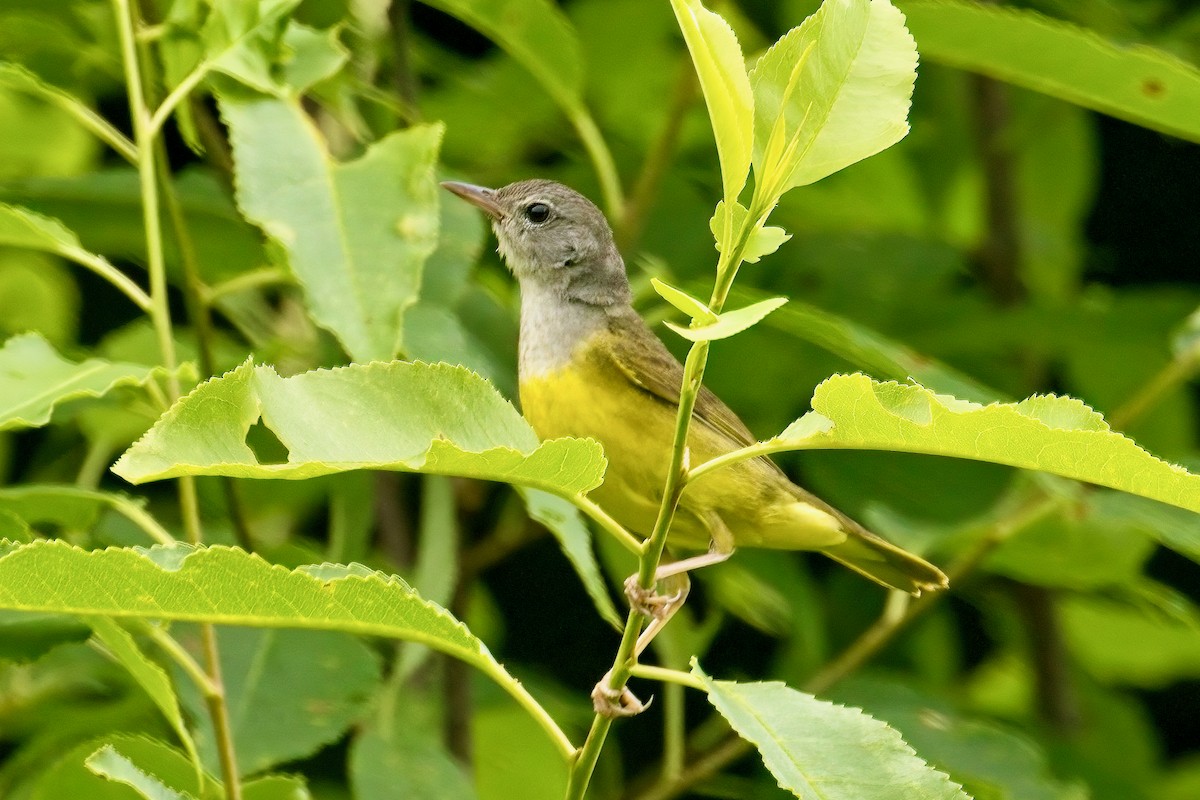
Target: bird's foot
point(614, 703)
point(650, 603)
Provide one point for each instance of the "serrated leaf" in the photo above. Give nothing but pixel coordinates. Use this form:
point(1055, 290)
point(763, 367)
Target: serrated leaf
point(110, 764)
point(762, 241)
point(289, 693)
point(148, 675)
point(437, 418)
point(15, 76)
point(34, 379)
point(1140, 84)
point(75, 509)
point(535, 33)
point(721, 68)
point(357, 234)
point(1059, 435)
point(694, 308)
point(729, 322)
point(822, 751)
point(244, 40)
point(312, 55)
point(69, 777)
point(20, 227)
point(566, 523)
point(831, 92)
point(192, 584)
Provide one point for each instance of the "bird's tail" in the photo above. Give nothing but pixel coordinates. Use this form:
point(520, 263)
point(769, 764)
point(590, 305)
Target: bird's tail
point(885, 563)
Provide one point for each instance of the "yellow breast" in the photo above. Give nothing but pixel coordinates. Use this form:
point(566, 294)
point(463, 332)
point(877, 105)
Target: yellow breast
point(591, 397)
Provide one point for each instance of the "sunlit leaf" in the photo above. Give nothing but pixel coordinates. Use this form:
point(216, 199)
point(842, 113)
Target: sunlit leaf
point(72, 508)
point(313, 55)
point(194, 584)
point(821, 751)
point(722, 72)
point(148, 675)
point(435, 418)
point(1060, 435)
point(762, 241)
point(70, 776)
point(831, 92)
point(110, 764)
point(357, 234)
point(683, 301)
point(34, 379)
point(729, 322)
point(1140, 84)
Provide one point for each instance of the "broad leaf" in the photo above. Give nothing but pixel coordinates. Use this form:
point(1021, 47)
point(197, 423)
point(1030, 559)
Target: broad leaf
point(1140, 84)
point(535, 33)
point(34, 379)
point(1060, 435)
point(70, 776)
point(110, 764)
point(75, 509)
point(722, 71)
point(357, 234)
point(148, 675)
point(730, 322)
point(821, 751)
point(193, 584)
point(831, 92)
point(1100, 633)
point(274, 680)
point(436, 418)
point(14, 76)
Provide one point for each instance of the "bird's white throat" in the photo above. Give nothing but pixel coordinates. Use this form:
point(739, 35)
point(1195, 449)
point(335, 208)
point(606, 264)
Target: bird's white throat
point(553, 327)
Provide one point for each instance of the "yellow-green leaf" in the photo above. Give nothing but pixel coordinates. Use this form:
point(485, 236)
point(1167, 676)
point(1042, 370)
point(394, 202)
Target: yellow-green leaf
point(722, 71)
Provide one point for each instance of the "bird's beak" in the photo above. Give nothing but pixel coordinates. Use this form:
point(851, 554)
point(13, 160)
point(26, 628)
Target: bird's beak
point(477, 195)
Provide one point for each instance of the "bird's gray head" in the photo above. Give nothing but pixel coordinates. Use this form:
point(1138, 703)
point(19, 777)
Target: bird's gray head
point(552, 237)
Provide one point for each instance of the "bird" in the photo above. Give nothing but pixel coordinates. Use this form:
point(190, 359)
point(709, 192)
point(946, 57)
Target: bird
point(590, 367)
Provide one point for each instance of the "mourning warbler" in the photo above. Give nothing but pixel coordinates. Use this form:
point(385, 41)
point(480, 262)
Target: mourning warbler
point(590, 367)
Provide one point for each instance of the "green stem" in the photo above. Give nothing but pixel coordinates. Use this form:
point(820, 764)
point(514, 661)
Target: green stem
point(97, 125)
point(160, 315)
point(1178, 371)
point(602, 160)
point(177, 96)
point(610, 525)
point(676, 481)
point(254, 279)
point(110, 273)
point(673, 676)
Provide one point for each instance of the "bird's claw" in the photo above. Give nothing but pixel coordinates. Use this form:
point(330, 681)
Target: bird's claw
point(649, 602)
point(614, 703)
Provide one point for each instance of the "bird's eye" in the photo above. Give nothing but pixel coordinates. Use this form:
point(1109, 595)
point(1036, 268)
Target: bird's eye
point(537, 213)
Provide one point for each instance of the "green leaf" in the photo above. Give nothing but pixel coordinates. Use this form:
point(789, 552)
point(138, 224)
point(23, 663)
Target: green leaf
point(821, 751)
point(75, 509)
point(535, 33)
point(20, 227)
point(438, 418)
point(276, 787)
point(730, 322)
point(566, 523)
point(1100, 633)
point(16, 77)
point(869, 350)
point(1060, 435)
point(763, 240)
point(108, 763)
point(313, 55)
point(399, 758)
point(831, 92)
point(34, 379)
point(244, 40)
point(71, 777)
point(989, 761)
point(722, 72)
point(357, 234)
point(1140, 84)
point(289, 693)
point(694, 308)
point(148, 675)
point(194, 584)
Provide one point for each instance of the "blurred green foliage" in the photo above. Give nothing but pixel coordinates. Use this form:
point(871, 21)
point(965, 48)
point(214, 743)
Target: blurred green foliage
point(1005, 248)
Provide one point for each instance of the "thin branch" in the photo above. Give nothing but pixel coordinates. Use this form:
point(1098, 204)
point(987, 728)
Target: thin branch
point(665, 675)
point(109, 273)
point(610, 525)
point(602, 160)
